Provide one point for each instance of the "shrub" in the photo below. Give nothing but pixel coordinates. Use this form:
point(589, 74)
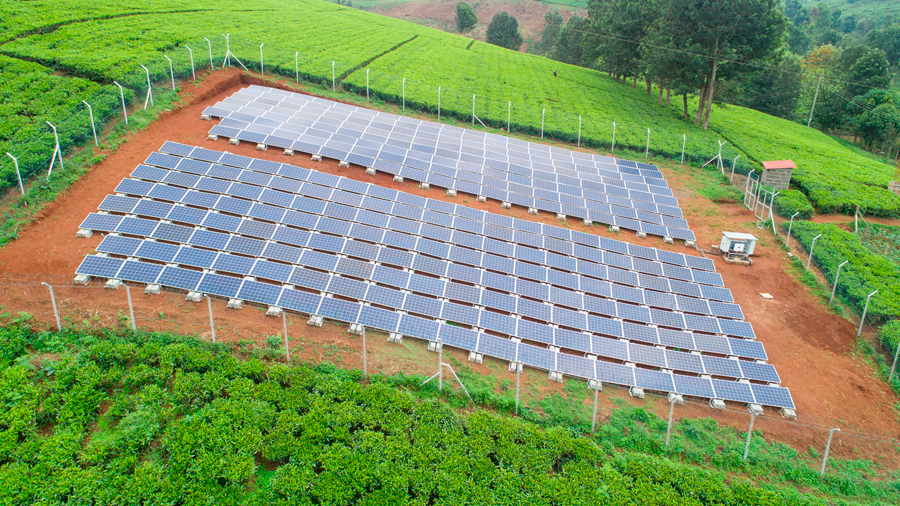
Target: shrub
point(789, 202)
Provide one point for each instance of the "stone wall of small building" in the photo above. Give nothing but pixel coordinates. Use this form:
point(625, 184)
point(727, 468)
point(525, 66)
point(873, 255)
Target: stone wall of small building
point(894, 186)
point(777, 178)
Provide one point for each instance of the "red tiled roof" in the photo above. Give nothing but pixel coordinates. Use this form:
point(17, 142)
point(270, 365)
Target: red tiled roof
point(780, 164)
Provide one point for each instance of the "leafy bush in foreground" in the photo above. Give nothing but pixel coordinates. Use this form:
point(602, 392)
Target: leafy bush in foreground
point(166, 420)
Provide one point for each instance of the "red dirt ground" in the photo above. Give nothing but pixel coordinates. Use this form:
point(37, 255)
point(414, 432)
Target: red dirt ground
point(441, 14)
point(811, 348)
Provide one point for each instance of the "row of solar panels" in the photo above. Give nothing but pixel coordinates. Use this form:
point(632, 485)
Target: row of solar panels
point(389, 292)
point(581, 293)
point(201, 161)
point(436, 228)
point(575, 198)
point(467, 339)
point(287, 107)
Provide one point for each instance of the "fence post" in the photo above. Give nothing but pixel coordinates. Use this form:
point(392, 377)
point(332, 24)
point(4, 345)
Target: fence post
point(441, 366)
point(771, 206)
point(473, 109)
point(894, 365)
point(613, 149)
point(122, 94)
point(262, 65)
point(365, 363)
point(669, 426)
point(647, 150)
point(749, 435)
point(297, 72)
point(836, 276)
point(439, 102)
point(683, 144)
point(212, 323)
point(791, 225)
point(508, 115)
point(579, 130)
point(333, 83)
point(518, 372)
point(212, 66)
point(56, 151)
point(93, 127)
point(733, 164)
point(287, 350)
point(865, 309)
point(171, 71)
point(149, 89)
point(543, 111)
point(811, 248)
point(594, 414)
point(193, 72)
point(404, 98)
point(18, 174)
point(53, 301)
point(827, 449)
point(367, 88)
point(130, 306)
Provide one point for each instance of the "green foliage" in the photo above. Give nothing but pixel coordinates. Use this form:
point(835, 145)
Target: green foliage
point(155, 418)
point(503, 31)
point(865, 272)
point(882, 240)
point(789, 202)
point(465, 17)
point(890, 335)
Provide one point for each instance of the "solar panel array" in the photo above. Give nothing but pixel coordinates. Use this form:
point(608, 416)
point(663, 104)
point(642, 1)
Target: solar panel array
point(601, 189)
point(284, 236)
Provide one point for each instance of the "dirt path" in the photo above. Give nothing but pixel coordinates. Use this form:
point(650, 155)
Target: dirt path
point(810, 347)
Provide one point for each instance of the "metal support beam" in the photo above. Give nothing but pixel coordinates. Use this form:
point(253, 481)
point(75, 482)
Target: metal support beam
point(55, 311)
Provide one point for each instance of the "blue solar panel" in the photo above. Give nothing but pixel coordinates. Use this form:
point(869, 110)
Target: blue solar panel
point(139, 272)
point(102, 267)
point(418, 327)
point(693, 386)
point(176, 277)
point(118, 245)
point(271, 270)
point(101, 222)
point(772, 396)
point(497, 347)
point(377, 318)
point(302, 302)
point(733, 391)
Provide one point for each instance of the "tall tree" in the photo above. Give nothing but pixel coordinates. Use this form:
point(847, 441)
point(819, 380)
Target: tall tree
point(503, 31)
point(569, 47)
point(742, 30)
point(617, 29)
point(888, 40)
point(465, 17)
point(870, 70)
point(552, 24)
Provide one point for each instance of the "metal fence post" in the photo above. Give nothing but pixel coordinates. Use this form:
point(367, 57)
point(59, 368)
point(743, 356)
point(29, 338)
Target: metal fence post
point(749, 435)
point(579, 130)
point(297, 72)
point(333, 83)
point(212, 323)
point(122, 94)
point(473, 109)
point(130, 306)
point(212, 66)
point(18, 174)
point(865, 309)
point(404, 99)
point(787, 240)
point(613, 148)
point(439, 100)
point(594, 414)
point(827, 449)
point(647, 150)
point(733, 165)
point(287, 349)
point(836, 276)
point(894, 365)
point(441, 366)
point(669, 426)
point(365, 363)
point(683, 144)
point(811, 248)
point(53, 301)
point(508, 115)
point(149, 88)
point(543, 112)
point(518, 372)
point(93, 127)
point(56, 152)
point(171, 71)
point(193, 72)
point(367, 90)
point(262, 65)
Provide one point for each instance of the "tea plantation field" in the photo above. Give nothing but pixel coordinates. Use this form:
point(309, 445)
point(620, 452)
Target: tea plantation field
point(102, 42)
point(100, 418)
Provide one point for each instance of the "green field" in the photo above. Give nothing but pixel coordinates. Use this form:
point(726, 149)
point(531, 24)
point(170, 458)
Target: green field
point(102, 42)
point(95, 417)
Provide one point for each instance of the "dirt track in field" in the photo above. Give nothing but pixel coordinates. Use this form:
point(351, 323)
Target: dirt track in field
point(810, 347)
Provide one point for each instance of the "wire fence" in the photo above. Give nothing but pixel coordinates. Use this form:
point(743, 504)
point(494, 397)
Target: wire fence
point(45, 299)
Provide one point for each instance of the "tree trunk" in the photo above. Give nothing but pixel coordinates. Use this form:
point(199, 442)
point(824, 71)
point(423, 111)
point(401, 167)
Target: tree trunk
point(649, 86)
point(684, 98)
point(659, 100)
point(668, 97)
point(701, 103)
point(712, 85)
point(634, 80)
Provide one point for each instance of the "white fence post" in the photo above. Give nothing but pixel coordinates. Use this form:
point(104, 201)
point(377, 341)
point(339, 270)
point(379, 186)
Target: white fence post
point(827, 449)
point(130, 306)
point(212, 323)
point(836, 277)
point(439, 103)
point(865, 309)
point(193, 72)
point(57, 151)
point(613, 148)
point(93, 127)
point(18, 174)
point(297, 72)
point(683, 144)
point(543, 111)
point(149, 89)
point(287, 350)
point(403, 85)
point(647, 150)
point(171, 71)
point(811, 248)
point(579, 130)
point(262, 65)
point(508, 115)
point(212, 66)
point(53, 301)
point(733, 165)
point(333, 83)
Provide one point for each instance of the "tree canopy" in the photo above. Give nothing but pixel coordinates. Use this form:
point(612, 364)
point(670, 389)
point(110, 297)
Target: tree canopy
point(465, 17)
point(503, 31)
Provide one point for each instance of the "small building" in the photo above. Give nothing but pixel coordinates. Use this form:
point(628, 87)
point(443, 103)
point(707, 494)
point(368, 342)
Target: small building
point(777, 174)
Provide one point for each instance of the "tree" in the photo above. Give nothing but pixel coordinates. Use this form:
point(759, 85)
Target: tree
point(877, 121)
point(888, 40)
point(870, 70)
point(465, 17)
point(503, 31)
point(774, 89)
point(742, 30)
point(569, 47)
point(552, 24)
point(617, 28)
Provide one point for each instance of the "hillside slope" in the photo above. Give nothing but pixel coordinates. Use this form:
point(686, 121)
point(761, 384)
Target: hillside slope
point(318, 40)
